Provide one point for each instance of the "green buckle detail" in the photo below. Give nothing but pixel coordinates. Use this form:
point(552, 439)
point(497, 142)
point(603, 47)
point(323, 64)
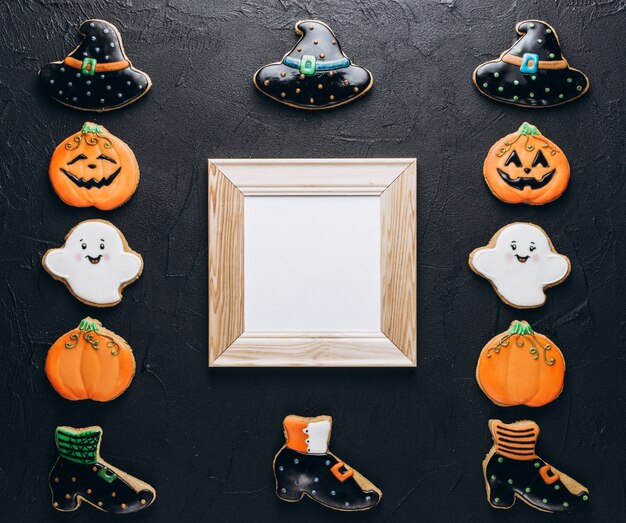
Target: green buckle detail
point(89, 66)
point(307, 64)
point(107, 475)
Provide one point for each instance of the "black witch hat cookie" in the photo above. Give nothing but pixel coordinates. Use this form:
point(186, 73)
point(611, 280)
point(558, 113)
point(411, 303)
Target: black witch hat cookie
point(315, 74)
point(532, 73)
point(97, 75)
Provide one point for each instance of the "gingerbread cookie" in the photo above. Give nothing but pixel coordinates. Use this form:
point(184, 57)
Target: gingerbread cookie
point(521, 367)
point(315, 74)
point(513, 471)
point(305, 467)
point(93, 168)
point(526, 167)
point(80, 474)
point(520, 262)
point(97, 75)
point(533, 72)
point(95, 263)
point(90, 362)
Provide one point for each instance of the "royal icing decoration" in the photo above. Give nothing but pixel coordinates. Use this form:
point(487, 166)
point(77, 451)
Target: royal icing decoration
point(305, 467)
point(526, 167)
point(520, 262)
point(513, 470)
point(315, 74)
point(94, 168)
point(80, 474)
point(95, 263)
point(90, 362)
point(97, 75)
point(533, 72)
point(521, 367)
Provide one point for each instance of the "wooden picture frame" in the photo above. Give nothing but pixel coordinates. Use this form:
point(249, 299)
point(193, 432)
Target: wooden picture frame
point(394, 181)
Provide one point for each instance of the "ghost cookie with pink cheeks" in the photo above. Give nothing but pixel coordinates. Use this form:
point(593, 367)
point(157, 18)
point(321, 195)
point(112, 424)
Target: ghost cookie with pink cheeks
point(95, 263)
point(520, 262)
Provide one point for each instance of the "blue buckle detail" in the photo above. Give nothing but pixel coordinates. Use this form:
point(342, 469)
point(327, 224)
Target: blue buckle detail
point(530, 63)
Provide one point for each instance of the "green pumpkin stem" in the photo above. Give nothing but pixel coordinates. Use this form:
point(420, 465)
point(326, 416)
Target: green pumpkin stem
point(90, 127)
point(528, 129)
point(89, 324)
point(521, 327)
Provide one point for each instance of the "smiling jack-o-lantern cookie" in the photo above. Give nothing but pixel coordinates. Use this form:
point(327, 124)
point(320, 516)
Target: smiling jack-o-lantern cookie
point(526, 167)
point(95, 263)
point(520, 262)
point(97, 75)
point(94, 168)
point(315, 74)
point(533, 72)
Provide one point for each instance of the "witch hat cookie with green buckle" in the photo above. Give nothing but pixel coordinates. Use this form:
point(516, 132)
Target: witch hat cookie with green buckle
point(97, 75)
point(305, 467)
point(533, 72)
point(315, 74)
point(80, 474)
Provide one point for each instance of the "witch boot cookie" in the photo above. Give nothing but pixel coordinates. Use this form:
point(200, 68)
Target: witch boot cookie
point(97, 75)
point(532, 73)
point(315, 74)
point(304, 466)
point(513, 470)
point(80, 474)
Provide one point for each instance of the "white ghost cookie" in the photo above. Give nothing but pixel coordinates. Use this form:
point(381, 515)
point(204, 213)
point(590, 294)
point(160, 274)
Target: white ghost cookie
point(520, 262)
point(95, 263)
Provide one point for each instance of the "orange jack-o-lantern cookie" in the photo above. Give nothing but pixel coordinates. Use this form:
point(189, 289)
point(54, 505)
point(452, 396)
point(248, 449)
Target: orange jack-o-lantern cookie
point(521, 367)
point(526, 167)
point(90, 362)
point(93, 168)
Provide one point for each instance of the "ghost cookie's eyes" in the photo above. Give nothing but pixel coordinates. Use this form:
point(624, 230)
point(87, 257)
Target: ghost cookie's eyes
point(532, 247)
point(83, 246)
point(513, 246)
point(102, 245)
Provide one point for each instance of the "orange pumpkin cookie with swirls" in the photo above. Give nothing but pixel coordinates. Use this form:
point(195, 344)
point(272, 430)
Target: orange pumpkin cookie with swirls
point(93, 168)
point(90, 362)
point(526, 167)
point(521, 367)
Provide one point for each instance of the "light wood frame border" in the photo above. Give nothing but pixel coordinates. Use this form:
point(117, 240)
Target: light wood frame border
point(395, 181)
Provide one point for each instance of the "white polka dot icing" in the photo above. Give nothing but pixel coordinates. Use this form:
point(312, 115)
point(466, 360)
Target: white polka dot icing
point(520, 262)
point(95, 263)
point(101, 46)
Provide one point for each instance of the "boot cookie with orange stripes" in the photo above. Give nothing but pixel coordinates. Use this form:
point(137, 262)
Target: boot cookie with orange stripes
point(513, 470)
point(304, 466)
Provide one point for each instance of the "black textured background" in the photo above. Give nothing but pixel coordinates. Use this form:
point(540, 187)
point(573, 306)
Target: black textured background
point(206, 439)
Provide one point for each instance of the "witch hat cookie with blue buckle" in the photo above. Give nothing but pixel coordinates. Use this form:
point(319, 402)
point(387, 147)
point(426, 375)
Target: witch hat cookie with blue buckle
point(315, 74)
point(533, 72)
point(97, 75)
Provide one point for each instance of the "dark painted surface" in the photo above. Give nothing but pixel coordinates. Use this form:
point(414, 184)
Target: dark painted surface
point(206, 440)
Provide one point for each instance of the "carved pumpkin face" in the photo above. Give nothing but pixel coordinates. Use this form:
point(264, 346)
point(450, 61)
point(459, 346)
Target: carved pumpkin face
point(90, 362)
point(521, 367)
point(526, 167)
point(93, 168)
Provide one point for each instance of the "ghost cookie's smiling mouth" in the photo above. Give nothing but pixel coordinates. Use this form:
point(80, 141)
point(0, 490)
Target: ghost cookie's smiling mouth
point(93, 260)
point(521, 259)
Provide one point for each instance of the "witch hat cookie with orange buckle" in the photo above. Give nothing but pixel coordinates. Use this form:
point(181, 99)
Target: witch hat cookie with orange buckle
point(97, 75)
point(513, 470)
point(532, 73)
point(304, 466)
point(315, 74)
